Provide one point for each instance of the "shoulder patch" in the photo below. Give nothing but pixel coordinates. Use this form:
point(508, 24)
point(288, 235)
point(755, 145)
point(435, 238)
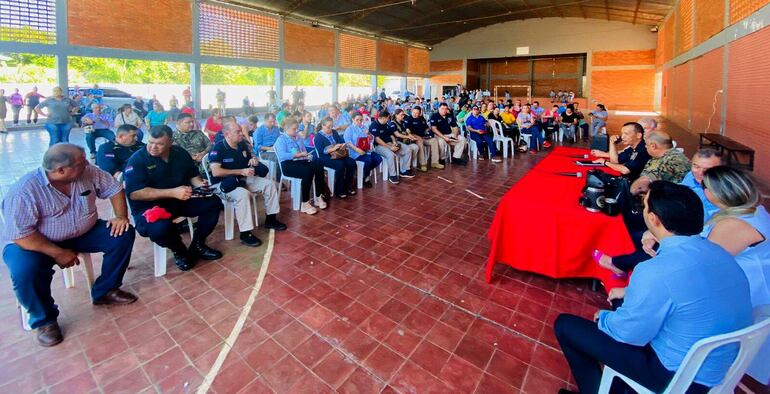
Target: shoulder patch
point(129, 169)
point(213, 153)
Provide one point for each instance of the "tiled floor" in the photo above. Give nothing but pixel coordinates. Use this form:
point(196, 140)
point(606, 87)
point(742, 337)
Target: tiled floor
point(383, 292)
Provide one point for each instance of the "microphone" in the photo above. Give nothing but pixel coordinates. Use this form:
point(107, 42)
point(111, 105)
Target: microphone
point(572, 174)
point(579, 156)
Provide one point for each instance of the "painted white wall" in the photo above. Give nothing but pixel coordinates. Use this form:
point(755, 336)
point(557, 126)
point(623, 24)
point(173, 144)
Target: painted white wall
point(547, 36)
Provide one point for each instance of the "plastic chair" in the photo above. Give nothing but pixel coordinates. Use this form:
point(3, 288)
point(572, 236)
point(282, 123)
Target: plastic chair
point(229, 206)
point(501, 140)
point(750, 339)
point(159, 253)
point(295, 186)
point(69, 282)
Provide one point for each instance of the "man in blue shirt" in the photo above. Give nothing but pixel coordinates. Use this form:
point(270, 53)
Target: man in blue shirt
point(703, 159)
point(97, 124)
point(477, 127)
point(265, 136)
point(693, 289)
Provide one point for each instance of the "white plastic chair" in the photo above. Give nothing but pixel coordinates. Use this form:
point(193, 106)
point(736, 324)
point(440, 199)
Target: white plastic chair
point(750, 339)
point(158, 252)
point(69, 282)
point(295, 186)
point(229, 206)
point(501, 140)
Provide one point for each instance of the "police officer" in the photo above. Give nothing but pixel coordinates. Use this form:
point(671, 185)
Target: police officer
point(631, 160)
point(389, 148)
point(444, 124)
point(237, 174)
point(164, 175)
point(112, 157)
point(417, 125)
point(412, 142)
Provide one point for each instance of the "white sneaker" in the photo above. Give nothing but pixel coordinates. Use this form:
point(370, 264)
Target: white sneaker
point(308, 209)
point(320, 203)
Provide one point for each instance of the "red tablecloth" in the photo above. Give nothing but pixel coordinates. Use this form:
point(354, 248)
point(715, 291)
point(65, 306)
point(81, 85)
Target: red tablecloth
point(540, 227)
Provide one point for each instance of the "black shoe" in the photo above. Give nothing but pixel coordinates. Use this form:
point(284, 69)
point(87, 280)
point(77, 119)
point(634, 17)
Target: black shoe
point(199, 249)
point(274, 225)
point(442, 162)
point(393, 180)
point(459, 162)
point(183, 262)
point(406, 174)
point(565, 391)
point(368, 184)
point(352, 191)
point(342, 196)
point(248, 239)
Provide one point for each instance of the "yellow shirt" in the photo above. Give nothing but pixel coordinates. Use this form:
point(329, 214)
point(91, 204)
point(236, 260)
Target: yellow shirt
point(485, 114)
point(508, 118)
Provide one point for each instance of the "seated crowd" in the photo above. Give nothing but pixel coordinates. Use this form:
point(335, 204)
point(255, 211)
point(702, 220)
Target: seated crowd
point(699, 268)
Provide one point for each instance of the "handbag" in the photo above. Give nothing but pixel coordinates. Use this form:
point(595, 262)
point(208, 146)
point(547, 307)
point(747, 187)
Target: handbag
point(340, 153)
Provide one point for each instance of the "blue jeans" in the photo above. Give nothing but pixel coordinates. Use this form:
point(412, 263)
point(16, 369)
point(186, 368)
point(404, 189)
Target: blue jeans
point(58, 132)
point(91, 138)
point(597, 124)
point(371, 161)
point(487, 139)
point(536, 139)
point(32, 272)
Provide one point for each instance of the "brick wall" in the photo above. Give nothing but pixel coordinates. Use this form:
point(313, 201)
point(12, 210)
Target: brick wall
point(510, 67)
point(106, 24)
point(297, 40)
point(391, 57)
point(418, 61)
point(679, 87)
point(623, 58)
point(709, 19)
point(446, 65)
point(740, 9)
point(624, 89)
point(748, 92)
point(707, 78)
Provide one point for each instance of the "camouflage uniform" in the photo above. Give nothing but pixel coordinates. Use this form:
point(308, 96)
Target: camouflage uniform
point(193, 141)
point(672, 167)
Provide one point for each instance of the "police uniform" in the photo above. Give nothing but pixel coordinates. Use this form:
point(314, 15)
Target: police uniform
point(385, 132)
point(144, 170)
point(634, 159)
point(444, 124)
point(112, 157)
point(419, 127)
point(235, 159)
point(417, 154)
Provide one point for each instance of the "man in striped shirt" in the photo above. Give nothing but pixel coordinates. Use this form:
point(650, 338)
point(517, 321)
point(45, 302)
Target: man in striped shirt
point(50, 216)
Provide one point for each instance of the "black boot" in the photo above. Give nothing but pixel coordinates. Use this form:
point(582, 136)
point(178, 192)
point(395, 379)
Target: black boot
point(271, 222)
point(248, 239)
point(182, 258)
point(199, 249)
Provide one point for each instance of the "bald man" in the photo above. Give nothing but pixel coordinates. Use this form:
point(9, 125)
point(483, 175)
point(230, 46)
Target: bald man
point(665, 164)
point(649, 125)
point(50, 217)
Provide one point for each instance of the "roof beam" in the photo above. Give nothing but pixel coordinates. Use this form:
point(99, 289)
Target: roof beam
point(294, 6)
point(558, 9)
point(529, 7)
point(363, 14)
point(636, 10)
point(607, 8)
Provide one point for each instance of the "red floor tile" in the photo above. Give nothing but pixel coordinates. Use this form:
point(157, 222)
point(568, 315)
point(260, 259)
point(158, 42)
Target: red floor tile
point(335, 369)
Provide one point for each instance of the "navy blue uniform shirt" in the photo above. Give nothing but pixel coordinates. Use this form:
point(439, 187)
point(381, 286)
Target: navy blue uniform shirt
point(418, 126)
point(378, 129)
point(144, 170)
point(443, 123)
point(634, 159)
point(233, 159)
point(113, 157)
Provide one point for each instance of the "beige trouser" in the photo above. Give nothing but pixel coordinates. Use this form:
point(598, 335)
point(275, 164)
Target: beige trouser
point(459, 147)
point(241, 198)
point(432, 143)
